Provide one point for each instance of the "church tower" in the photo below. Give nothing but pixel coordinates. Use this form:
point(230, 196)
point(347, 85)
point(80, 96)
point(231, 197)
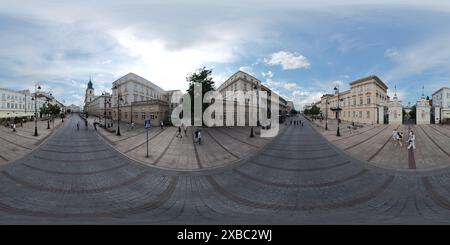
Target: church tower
point(89, 93)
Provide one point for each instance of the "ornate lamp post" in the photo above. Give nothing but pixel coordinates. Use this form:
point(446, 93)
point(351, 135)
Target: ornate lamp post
point(119, 98)
point(104, 113)
point(336, 89)
point(36, 88)
point(326, 113)
point(252, 134)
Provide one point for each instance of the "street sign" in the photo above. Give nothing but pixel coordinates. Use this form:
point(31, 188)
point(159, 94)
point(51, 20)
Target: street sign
point(148, 124)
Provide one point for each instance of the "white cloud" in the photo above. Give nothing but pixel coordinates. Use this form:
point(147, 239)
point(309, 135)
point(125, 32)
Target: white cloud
point(391, 52)
point(268, 74)
point(294, 92)
point(424, 56)
point(338, 84)
point(276, 85)
point(247, 69)
point(288, 61)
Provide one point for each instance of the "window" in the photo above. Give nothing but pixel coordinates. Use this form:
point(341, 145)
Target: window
point(361, 100)
point(360, 114)
point(143, 115)
point(368, 114)
point(354, 100)
point(136, 115)
point(448, 95)
point(135, 98)
point(353, 113)
point(125, 115)
point(368, 99)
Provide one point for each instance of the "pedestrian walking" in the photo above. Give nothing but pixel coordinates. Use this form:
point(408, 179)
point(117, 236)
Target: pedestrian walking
point(399, 138)
point(179, 133)
point(394, 136)
point(162, 125)
point(199, 137)
point(95, 126)
point(78, 126)
point(86, 124)
point(412, 141)
point(21, 122)
point(14, 127)
point(184, 129)
point(350, 127)
point(195, 136)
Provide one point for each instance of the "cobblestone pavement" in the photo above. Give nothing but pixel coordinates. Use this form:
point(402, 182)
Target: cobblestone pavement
point(298, 178)
point(373, 143)
point(220, 146)
point(15, 145)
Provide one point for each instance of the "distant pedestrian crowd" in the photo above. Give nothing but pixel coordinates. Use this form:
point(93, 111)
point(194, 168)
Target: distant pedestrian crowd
point(397, 138)
point(296, 122)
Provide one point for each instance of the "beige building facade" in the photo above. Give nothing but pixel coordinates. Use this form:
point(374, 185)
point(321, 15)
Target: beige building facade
point(366, 102)
point(140, 100)
point(242, 81)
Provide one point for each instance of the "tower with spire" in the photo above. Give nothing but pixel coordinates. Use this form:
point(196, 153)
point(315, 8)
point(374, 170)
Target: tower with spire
point(395, 110)
point(89, 96)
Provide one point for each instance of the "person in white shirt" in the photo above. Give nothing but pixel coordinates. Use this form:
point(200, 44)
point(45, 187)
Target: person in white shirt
point(412, 140)
point(394, 136)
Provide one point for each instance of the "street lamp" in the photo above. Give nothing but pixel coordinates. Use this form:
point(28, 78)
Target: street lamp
point(336, 89)
point(36, 88)
point(48, 108)
point(326, 112)
point(104, 113)
point(252, 134)
point(119, 98)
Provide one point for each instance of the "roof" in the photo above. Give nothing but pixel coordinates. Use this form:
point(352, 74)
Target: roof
point(239, 71)
point(373, 77)
point(439, 90)
point(90, 84)
point(132, 76)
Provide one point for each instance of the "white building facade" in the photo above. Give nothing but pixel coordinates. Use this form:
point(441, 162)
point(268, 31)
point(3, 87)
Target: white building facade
point(423, 110)
point(441, 105)
point(18, 103)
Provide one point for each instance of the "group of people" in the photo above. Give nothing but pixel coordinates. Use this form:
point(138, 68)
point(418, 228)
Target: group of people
point(398, 136)
point(296, 122)
point(85, 125)
point(131, 126)
point(197, 134)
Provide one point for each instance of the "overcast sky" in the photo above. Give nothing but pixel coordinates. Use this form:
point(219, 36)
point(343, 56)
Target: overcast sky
point(298, 48)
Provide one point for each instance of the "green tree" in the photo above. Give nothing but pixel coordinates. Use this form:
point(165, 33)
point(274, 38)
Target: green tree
point(45, 110)
point(54, 109)
point(315, 110)
point(293, 112)
point(306, 112)
point(203, 77)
